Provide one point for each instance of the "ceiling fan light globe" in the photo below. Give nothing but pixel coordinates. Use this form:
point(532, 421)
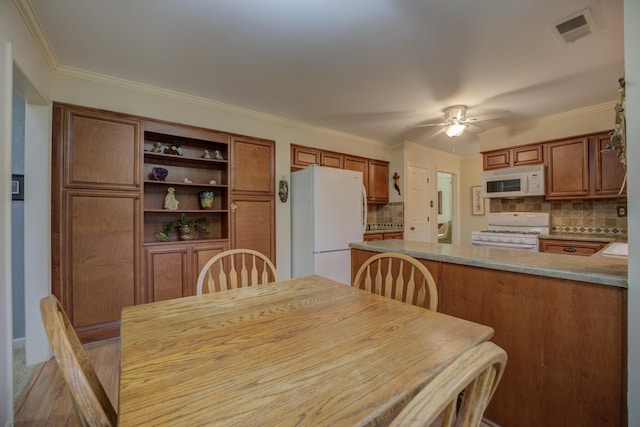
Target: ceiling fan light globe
point(455, 130)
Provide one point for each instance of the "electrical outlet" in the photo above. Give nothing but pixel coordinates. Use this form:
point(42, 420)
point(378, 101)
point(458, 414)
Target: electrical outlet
point(622, 211)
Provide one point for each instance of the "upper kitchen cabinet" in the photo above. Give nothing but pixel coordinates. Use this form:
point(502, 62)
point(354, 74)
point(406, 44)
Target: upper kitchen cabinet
point(568, 168)
point(101, 150)
point(581, 167)
point(609, 173)
point(375, 173)
point(378, 179)
point(253, 169)
point(301, 157)
point(516, 156)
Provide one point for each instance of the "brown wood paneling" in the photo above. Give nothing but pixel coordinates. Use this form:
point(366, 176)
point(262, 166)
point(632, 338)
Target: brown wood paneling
point(529, 155)
point(570, 247)
point(497, 159)
point(564, 341)
point(332, 160)
point(166, 272)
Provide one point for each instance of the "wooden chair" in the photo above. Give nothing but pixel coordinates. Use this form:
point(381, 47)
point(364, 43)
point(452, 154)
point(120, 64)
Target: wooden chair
point(400, 277)
point(90, 399)
point(477, 373)
point(221, 272)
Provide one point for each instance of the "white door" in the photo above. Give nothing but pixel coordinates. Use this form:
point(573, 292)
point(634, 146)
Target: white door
point(418, 204)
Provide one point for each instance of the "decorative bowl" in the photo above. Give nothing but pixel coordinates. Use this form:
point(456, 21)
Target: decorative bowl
point(159, 174)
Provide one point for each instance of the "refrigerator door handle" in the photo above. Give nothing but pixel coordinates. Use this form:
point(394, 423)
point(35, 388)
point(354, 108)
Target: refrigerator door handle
point(364, 209)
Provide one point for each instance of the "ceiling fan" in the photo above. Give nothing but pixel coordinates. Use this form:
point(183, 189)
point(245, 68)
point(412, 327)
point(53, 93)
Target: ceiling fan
point(456, 121)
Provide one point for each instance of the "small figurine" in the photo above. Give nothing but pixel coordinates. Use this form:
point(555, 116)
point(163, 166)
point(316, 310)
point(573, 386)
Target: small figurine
point(157, 147)
point(212, 182)
point(174, 149)
point(206, 155)
point(187, 181)
point(170, 201)
point(217, 155)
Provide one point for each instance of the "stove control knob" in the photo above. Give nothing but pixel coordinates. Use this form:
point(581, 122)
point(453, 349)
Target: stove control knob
point(494, 239)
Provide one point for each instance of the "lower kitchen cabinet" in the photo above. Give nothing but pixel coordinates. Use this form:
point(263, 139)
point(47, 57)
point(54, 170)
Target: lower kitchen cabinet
point(570, 247)
point(171, 270)
point(383, 236)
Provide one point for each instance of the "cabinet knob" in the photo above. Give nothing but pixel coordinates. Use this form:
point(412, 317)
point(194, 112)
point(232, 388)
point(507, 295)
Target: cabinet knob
point(233, 206)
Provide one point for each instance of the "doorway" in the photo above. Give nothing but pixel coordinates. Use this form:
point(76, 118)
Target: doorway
point(418, 204)
point(445, 204)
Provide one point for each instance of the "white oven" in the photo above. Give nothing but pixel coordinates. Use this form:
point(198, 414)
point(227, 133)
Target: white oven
point(513, 230)
point(520, 181)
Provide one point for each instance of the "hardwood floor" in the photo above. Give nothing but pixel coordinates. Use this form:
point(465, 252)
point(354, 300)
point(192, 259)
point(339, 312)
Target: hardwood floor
point(45, 400)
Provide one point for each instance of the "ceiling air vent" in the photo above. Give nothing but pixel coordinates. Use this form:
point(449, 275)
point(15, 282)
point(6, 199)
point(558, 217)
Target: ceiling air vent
point(574, 27)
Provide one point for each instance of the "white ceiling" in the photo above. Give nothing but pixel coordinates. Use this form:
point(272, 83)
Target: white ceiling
point(371, 68)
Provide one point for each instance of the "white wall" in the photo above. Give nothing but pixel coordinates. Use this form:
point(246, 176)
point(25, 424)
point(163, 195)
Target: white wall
point(632, 76)
point(22, 64)
point(471, 168)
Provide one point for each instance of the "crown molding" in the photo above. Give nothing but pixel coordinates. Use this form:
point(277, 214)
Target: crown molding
point(35, 27)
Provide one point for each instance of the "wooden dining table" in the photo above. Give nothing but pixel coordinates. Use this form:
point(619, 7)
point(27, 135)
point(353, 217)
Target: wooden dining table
point(307, 351)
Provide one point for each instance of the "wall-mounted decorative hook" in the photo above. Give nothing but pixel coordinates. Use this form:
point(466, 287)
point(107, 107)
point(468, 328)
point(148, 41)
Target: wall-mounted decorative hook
point(283, 191)
point(396, 182)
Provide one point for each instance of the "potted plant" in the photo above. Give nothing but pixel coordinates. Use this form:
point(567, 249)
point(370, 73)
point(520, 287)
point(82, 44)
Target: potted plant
point(186, 227)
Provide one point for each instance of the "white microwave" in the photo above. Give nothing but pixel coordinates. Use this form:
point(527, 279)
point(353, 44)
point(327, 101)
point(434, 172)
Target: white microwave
point(519, 181)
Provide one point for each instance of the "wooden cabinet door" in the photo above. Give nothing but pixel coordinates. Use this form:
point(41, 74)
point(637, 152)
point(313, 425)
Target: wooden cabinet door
point(359, 164)
point(529, 155)
point(253, 224)
point(609, 173)
point(100, 272)
point(166, 272)
point(496, 159)
point(372, 237)
point(570, 247)
point(101, 151)
point(332, 160)
point(200, 255)
point(378, 189)
point(253, 166)
point(301, 157)
point(568, 168)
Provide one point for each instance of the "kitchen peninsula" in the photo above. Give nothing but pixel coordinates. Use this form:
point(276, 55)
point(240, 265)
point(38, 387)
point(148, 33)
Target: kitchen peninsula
point(561, 319)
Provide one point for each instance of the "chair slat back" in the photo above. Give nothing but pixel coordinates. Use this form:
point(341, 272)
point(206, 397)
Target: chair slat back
point(400, 277)
point(235, 268)
point(476, 374)
point(90, 399)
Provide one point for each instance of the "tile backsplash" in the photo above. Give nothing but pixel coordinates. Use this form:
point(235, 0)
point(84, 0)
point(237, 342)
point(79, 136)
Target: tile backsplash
point(390, 215)
point(581, 216)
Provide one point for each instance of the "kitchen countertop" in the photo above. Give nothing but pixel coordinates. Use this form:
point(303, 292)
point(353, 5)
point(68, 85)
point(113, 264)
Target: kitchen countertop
point(597, 268)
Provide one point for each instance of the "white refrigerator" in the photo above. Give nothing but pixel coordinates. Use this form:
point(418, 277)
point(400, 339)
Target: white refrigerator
point(328, 211)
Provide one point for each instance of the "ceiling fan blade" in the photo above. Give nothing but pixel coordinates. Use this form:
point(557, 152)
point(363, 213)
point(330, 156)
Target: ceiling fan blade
point(429, 125)
point(440, 131)
point(488, 116)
